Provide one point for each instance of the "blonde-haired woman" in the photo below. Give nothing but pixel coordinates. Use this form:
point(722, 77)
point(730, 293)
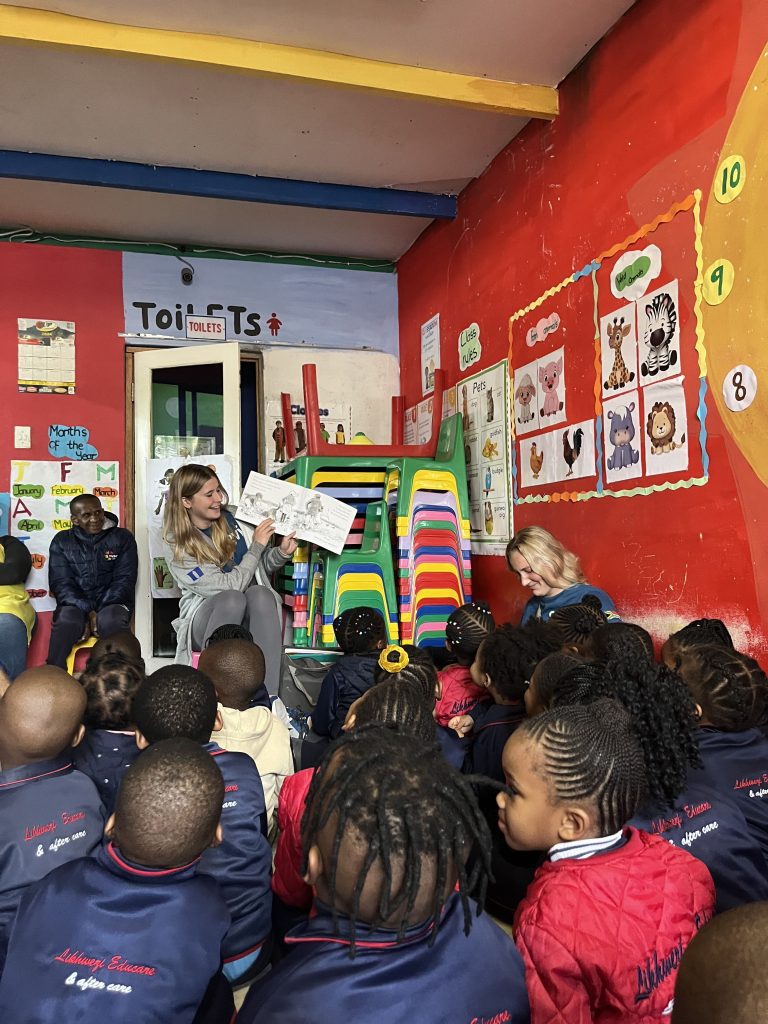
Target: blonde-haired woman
point(223, 579)
point(552, 573)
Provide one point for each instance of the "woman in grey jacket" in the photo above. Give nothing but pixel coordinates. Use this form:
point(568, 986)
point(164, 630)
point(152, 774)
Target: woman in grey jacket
point(222, 578)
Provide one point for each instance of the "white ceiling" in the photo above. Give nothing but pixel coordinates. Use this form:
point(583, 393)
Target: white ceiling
point(87, 104)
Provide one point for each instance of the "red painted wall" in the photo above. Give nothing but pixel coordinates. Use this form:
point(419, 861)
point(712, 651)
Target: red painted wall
point(54, 283)
point(641, 126)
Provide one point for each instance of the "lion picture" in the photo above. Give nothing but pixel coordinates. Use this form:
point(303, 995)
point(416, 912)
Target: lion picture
point(661, 427)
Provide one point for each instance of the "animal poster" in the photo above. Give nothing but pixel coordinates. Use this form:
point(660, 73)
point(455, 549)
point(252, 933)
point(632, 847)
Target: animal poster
point(538, 458)
point(622, 438)
point(550, 377)
point(618, 350)
point(158, 476)
point(46, 356)
point(430, 353)
point(526, 401)
point(418, 423)
point(575, 451)
point(449, 403)
point(312, 516)
point(658, 333)
point(40, 497)
point(666, 430)
point(486, 451)
point(331, 416)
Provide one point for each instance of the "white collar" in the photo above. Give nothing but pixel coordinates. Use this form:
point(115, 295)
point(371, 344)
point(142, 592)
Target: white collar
point(584, 848)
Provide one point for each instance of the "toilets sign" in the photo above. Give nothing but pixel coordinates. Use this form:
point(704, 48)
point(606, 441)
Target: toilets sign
point(206, 328)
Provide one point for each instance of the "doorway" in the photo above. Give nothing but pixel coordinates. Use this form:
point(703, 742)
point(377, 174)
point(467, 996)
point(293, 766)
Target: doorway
point(201, 403)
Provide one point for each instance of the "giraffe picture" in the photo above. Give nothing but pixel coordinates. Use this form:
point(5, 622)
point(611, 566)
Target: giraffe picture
point(618, 349)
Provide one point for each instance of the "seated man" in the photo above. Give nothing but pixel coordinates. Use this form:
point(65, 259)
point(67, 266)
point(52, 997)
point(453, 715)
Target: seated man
point(92, 574)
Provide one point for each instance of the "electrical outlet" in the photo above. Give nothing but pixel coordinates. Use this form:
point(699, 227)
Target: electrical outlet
point(22, 437)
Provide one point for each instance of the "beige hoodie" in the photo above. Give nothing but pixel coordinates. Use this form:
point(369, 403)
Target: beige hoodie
point(258, 733)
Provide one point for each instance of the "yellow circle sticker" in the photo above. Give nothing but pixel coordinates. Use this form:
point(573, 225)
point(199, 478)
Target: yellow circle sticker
point(718, 281)
point(730, 178)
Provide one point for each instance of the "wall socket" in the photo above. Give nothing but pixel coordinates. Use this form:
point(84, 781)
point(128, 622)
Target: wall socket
point(22, 437)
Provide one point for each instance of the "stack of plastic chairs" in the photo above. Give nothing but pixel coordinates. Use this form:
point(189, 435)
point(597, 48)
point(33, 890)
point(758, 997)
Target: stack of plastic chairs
point(429, 499)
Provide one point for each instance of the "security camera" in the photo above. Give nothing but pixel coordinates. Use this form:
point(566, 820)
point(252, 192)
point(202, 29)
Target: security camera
point(187, 275)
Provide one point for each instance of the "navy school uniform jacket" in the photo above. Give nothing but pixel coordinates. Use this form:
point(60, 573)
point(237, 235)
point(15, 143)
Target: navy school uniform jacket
point(494, 724)
point(102, 940)
point(104, 756)
point(460, 978)
point(242, 863)
point(93, 571)
point(49, 814)
point(349, 678)
point(736, 763)
point(710, 825)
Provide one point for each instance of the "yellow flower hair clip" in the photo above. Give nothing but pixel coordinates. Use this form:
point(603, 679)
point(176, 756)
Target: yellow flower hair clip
point(393, 659)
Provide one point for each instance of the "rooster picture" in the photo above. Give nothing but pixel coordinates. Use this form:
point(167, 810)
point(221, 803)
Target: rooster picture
point(536, 461)
point(572, 452)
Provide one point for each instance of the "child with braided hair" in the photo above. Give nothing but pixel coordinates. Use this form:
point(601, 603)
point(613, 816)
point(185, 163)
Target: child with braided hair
point(465, 630)
point(605, 922)
point(388, 834)
point(575, 622)
point(699, 633)
point(403, 703)
point(681, 807)
point(730, 691)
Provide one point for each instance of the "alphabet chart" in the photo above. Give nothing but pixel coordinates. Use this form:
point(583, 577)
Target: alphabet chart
point(40, 497)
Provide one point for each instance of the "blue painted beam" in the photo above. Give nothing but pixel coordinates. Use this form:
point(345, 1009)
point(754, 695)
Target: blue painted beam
point(186, 181)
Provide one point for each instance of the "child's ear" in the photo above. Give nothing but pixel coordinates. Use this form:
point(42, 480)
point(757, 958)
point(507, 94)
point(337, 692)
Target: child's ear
point(576, 823)
point(141, 740)
point(218, 836)
point(218, 724)
point(78, 737)
point(109, 828)
point(314, 865)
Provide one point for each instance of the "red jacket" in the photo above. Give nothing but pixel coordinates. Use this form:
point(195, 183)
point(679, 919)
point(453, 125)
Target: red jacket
point(458, 693)
point(287, 882)
point(602, 938)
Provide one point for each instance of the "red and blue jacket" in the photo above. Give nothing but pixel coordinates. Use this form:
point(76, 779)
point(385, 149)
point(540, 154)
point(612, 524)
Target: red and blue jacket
point(494, 724)
point(104, 756)
point(602, 938)
point(736, 763)
point(101, 939)
point(49, 814)
point(458, 694)
point(468, 979)
point(710, 825)
point(242, 862)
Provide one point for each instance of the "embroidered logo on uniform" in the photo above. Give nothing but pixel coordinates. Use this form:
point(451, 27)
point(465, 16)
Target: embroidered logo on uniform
point(110, 555)
point(656, 970)
point(196, 573)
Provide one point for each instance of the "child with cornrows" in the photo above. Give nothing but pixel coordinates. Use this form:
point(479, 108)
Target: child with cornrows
point(465, 630)
point(730, 692)
point(609, 914)
point(680, 807)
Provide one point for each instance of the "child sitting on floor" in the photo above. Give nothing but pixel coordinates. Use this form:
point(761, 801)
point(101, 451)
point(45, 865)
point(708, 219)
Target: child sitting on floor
point(123, 642)
point(388, 834)
point(133, 933)
point(361, 633)
point(49, 813)
point(237, 670)
point(400, 705)
point(465, 630)
point(109, 745)
point(699, 633)
point(608, 915)
point(730, 691)
point(179, 701)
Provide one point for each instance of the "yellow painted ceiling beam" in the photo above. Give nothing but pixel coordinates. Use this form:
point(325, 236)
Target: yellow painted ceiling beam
point(25, 25)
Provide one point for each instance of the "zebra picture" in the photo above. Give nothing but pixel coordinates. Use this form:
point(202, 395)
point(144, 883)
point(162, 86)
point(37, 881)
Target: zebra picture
point(660, 336)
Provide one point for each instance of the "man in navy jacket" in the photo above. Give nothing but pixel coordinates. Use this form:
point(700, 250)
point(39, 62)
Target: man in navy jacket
point(133, 933)
point(92, 572)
